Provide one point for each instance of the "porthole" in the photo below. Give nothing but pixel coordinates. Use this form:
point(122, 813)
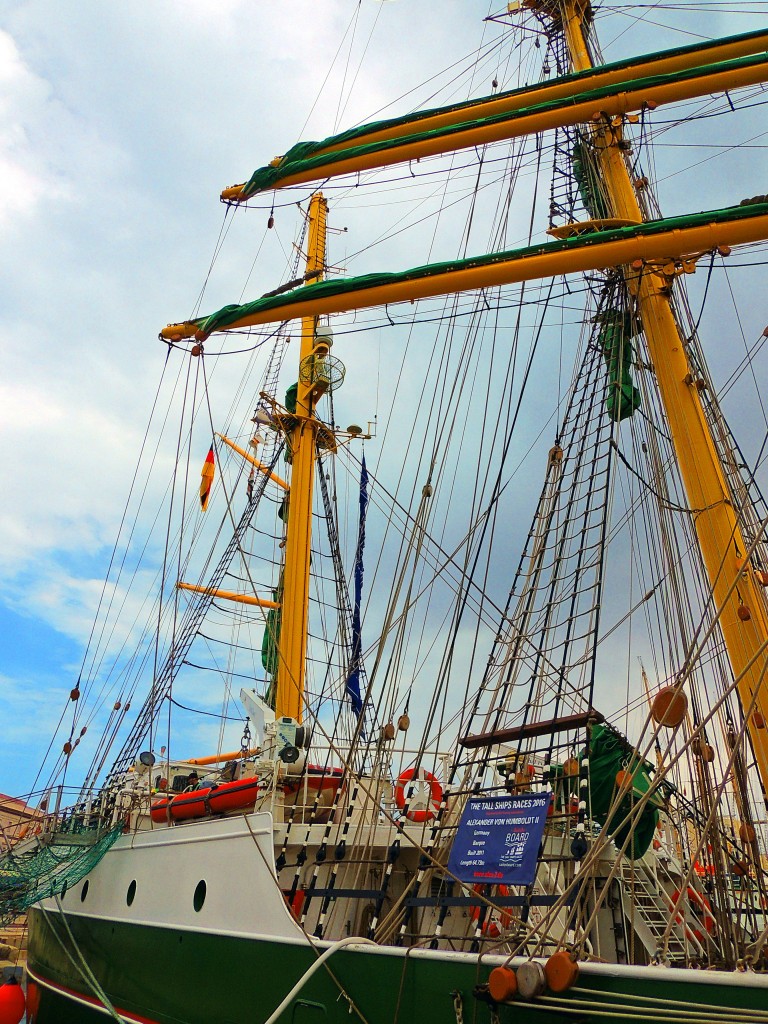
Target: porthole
point(131, 894)
point(84, 891)
point(199, 898)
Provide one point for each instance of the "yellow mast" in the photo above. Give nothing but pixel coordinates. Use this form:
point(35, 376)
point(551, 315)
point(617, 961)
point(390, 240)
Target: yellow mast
point(302, 441)
point(744, 618)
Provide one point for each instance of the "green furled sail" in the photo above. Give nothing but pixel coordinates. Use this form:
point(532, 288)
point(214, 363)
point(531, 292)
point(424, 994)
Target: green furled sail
point(271, 640)
point(616, 330)
point(588, 180)
point(322, 160)
point(294, 303)
point(609, 754)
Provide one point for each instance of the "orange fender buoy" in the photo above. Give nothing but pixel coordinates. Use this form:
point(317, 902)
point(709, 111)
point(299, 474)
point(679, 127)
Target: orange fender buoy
point(669, 707)
point(435, 793)
point(12, 1002)
point(502, 984)
point(561, 971)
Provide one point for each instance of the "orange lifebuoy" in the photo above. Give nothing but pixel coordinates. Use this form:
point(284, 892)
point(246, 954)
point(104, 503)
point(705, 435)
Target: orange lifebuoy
point(435, 793)
point(489, 926)
point(701, 908)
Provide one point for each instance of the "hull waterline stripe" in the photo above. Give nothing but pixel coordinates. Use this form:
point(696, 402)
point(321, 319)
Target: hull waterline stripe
point(89, 1001)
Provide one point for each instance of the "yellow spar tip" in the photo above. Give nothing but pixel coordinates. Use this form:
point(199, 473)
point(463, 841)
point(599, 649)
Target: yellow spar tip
point(178, 332)
point(233, 193)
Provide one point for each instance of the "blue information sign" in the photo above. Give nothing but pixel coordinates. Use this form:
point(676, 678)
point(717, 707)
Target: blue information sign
point(498, 839)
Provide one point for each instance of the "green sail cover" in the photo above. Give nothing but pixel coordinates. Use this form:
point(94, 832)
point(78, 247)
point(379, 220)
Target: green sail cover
point(609, 754)
point(617, 327)
point(313, 156)
point(271, 640)
point(306, 294)
point(585, 173)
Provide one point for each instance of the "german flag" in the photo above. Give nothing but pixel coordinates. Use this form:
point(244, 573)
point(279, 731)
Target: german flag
point(207, 473)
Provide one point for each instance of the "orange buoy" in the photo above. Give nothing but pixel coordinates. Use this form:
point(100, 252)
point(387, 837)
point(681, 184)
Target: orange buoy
point(744, 613)
point(571, 766)
point(741, 868)
point(12, 1002)
point(747, 832)
point(623, 779)
point(669, 707)
point(502, 984)
point(561, 971)
point(656, 844)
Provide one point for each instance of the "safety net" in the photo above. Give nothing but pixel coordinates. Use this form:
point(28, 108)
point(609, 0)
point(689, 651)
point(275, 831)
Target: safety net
point(42, 866)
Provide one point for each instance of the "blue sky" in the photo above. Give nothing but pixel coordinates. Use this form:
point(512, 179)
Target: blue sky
point(119, 126)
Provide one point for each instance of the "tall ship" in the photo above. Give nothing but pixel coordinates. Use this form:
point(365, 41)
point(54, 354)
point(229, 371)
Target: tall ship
point(477, 680)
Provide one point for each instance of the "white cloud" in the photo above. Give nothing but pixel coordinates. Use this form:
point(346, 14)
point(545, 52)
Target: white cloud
point(24, 96)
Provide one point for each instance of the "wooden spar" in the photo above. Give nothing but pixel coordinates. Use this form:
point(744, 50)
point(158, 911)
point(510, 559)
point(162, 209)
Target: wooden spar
point(717, 526)
point(254, 462)
point(294, 625)
point(519, 732)
point(529, 120)
point(233, 755)
point(580, 254)
point(229, 595)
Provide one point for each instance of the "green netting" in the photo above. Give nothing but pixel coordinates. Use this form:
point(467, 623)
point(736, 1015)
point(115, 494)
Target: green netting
point(304, 296)
point(314, 156)
point(617, 327)
point(49, 865)
point(610, 753)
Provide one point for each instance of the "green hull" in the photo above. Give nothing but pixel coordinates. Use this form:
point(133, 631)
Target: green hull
point(162, 976)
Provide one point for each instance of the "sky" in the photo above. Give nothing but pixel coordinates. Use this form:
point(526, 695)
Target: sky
point(119, 125)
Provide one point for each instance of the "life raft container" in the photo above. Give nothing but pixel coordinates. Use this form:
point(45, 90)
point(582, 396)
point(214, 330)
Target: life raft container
point(435, 793)
point(217, 799)
point(318, 779)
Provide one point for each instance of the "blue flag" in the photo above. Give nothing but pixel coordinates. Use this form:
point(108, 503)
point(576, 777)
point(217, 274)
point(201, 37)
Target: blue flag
point(353, 679)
